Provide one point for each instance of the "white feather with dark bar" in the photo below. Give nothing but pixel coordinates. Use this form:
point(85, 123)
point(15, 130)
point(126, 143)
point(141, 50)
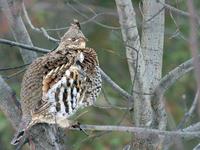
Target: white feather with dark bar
point(65, 94)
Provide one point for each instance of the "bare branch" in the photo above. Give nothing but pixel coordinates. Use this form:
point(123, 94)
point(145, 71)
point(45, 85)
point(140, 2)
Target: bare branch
point(9, 104)
point(127, 20)
point(152, 48)
point(115, 86)
point(166, 82)
point(178, 143)
point(192, 128)
point(24, 46)
point(170, 78)
point(178, 11)
point(190, 112)
point(18, 29)
point(14, 74)
point(94, 21)
point(41, 30)
point(130, 34)
point(13, 68)
point(197, 147)
point(195, 127)
point(141, 131)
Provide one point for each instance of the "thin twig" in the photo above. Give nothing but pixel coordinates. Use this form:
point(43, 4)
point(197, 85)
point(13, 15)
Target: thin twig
point(192, 128)
point(170, 78)
point(81, 23)
point(115, 86)
point(14, 74)
point(189, 113)
point(178, 11)
point(109, 105)
point(41, 30)
point(197, 147)
point(13, 68)
point(94, 21)
point(25, 46)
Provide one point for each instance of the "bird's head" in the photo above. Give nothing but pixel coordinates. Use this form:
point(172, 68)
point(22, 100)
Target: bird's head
point(74, 38)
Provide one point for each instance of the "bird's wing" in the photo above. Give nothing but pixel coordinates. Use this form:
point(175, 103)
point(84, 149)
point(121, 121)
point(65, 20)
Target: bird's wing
point(68, 87)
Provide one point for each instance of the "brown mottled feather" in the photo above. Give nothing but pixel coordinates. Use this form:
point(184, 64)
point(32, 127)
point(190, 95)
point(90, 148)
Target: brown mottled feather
point(48, 73)
point(33, 78)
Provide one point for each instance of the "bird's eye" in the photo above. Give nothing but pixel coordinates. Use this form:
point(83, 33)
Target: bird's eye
point(73, 39)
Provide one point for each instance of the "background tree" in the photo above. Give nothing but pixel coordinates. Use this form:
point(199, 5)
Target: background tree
point(153, 116)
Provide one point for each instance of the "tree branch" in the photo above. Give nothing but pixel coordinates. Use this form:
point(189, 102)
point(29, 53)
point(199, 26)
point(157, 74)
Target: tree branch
point(192, 128)
point(94, 21)
point(141, 131)
point(41, 30)
point(18, 28)
point(188, 114)
point(9, 105)
point(24, 46)
point(178, 11)
point(166, 82)
point(170, 78)
point(127, 20)
point(197, 147)
point(115, 86)
point(168, 140)
point(152, 47)
point(13, 68)
point(130, 36)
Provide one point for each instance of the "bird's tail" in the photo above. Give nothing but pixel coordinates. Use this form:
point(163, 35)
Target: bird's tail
point(19, 135)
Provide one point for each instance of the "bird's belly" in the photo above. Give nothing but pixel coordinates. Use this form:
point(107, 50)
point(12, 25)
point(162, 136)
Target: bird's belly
point(65, 96)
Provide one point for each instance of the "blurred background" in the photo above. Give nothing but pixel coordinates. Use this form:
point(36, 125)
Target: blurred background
point(100, 25)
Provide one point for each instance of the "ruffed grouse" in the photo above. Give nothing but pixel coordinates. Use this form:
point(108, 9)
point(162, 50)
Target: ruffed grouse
point(57, 84)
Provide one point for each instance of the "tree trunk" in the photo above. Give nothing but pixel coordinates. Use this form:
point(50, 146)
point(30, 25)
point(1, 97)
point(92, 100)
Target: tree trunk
point(145, 63)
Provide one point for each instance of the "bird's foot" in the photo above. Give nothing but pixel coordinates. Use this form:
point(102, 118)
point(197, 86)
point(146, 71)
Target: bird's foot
point(78, 125)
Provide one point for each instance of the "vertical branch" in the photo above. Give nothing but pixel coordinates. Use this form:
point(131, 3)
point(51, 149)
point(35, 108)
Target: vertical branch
point(144, 60)
point(18, 28)
point(9, 104)
point(134, 56)
point(152, 46)
point(130, 34)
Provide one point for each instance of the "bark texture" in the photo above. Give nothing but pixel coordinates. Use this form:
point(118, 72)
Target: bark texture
point(145, 64)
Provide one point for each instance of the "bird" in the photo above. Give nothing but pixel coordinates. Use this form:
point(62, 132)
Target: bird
point(59, 83)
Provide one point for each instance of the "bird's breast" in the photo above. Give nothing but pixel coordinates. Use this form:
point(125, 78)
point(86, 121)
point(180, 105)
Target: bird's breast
point(66, 95)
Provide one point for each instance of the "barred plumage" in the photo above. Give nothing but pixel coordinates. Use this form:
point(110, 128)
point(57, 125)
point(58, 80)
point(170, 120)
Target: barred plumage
point(57, 84)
